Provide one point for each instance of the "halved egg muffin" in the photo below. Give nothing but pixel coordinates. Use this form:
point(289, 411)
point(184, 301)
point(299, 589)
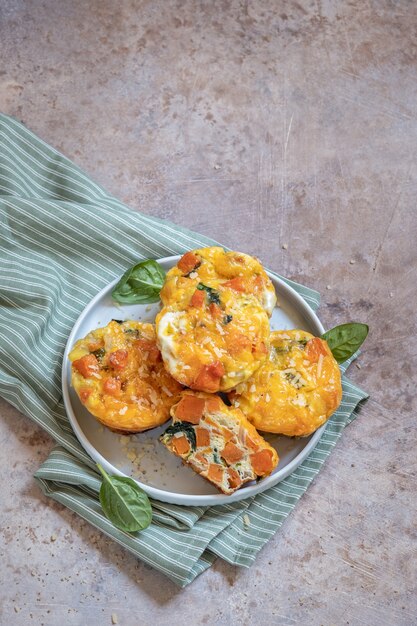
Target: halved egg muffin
point(118, 374)
point(296, 390)
point(235, 272)
point(215, 341)
point(218, 442)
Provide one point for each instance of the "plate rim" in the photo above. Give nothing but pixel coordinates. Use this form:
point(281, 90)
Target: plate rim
point(168, 496)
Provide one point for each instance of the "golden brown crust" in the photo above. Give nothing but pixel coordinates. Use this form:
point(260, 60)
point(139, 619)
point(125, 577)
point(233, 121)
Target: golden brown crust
point(213, 331)
point(118, 374)
point(296, 390)
point(210, 352)
point(233, 272)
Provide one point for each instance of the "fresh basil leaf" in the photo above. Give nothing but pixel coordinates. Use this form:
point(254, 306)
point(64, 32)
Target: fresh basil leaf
point(212, 294)
point(124, 503)
point(182, 427)
point(346, 339)
point(141, 284)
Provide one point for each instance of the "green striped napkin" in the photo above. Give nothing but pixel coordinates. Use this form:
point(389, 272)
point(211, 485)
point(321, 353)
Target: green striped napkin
point(63, 238)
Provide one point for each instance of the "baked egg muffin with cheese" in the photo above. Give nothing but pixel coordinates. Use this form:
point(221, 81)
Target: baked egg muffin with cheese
point(215, 341)
point(295, 390)
point(218, 442)
point(236, 272)
point(119, 376)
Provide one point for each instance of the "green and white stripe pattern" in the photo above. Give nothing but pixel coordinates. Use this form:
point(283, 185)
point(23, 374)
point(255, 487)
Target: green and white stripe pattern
point(63, 238)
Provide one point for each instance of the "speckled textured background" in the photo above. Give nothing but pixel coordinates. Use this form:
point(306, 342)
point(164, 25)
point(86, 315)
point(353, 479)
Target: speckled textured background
point(261, 124)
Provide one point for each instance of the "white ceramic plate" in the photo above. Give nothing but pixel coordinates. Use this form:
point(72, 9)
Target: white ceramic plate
point(157, 471)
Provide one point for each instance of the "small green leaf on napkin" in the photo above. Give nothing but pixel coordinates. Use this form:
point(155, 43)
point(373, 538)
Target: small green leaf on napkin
point(141, 284)
point(346, 339)
point(124, 503)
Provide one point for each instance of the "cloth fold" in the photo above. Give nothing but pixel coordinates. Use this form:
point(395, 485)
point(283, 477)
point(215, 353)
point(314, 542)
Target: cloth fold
point(63, 238)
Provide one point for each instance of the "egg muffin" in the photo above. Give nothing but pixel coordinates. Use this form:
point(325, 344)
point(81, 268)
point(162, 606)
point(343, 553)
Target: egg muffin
point(218, 442)
point(216, 341)
point(296, 390)
point(235, 272)
point(119, 376)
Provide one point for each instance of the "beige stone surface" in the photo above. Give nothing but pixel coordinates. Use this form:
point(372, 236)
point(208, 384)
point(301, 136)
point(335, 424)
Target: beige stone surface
point(259, 123)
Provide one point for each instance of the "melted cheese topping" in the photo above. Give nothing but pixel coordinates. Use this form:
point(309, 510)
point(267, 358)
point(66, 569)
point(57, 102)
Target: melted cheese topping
point(118, 374)
point(296, 390)
point(230, 339)
point(223, 271)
